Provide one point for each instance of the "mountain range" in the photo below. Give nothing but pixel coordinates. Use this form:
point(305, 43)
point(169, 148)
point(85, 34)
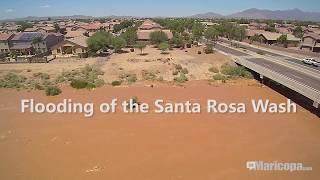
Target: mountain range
point(253, 13)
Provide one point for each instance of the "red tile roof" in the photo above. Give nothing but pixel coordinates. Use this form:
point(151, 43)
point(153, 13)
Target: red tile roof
point(5, 36)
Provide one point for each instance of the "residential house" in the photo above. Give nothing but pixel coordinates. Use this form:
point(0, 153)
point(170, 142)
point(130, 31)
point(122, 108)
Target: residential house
point(257, 26)
point(271, 38)
point(251, 32)
point(88, 28)
point(108, 26)
point(74, 34)
point(5, 43)
point(33, 29)
point(148, 27)
point(311, 41)
point(208, 24)
point(71, 47)
point(23, 43)
point(283, 30)
point(42, 29)
point(47, 29)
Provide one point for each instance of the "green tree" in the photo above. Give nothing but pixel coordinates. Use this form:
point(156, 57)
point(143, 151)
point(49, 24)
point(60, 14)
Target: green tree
point(270, 28)
point(56, 27)
point(158, 37)
point(211, 34)
point(177, 40)
point(140, 46)
point(118, 43)
point(283, 39)
point(298, 32)
point(23, 25)
point(122, 25)
point(197, 31)
point(163, 46)
point(37, 40)
point(130, 36)
point(99, 41)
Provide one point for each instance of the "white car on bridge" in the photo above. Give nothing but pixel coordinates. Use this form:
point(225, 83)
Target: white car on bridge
point(311, 61)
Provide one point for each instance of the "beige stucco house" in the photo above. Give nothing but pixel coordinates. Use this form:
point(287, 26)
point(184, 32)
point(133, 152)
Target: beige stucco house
point(74, 47)
point(5, 42)
point(311, 41)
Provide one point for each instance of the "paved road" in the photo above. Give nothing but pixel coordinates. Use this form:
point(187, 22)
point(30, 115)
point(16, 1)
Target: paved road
point(293, 74)
point(286, 58)
point(229, 50)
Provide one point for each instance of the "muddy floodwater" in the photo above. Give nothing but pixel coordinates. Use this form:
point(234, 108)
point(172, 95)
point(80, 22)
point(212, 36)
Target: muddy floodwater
point(151, 146)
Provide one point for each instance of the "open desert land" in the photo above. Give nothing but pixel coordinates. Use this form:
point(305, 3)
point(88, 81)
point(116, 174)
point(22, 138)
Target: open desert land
point(53, 68)
point(161, 65)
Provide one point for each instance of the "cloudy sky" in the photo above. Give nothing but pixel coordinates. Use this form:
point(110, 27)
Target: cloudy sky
point(23, 8)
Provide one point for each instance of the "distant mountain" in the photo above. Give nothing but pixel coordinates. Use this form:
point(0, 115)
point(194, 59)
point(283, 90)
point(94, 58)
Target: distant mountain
point(208, 15)
point(253, 13)
point(36, 18)
point(291, 14)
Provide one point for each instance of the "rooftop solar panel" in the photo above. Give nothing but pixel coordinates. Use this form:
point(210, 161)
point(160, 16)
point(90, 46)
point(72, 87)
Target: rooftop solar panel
point(30, 36)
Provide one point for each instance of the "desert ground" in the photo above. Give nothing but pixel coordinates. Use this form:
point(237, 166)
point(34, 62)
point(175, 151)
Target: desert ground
point(152, 146)
point(152, 60)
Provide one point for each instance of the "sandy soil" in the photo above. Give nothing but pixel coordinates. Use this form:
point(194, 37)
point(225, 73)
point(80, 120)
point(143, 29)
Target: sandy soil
point(154, 146)
point(163, 64)
point(53, 68)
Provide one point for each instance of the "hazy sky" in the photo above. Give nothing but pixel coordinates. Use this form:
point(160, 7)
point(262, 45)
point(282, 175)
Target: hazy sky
point(23, 8)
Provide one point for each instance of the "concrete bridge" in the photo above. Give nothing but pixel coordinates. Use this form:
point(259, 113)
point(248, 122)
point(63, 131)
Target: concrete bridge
point(301, 79)
point(292, 80)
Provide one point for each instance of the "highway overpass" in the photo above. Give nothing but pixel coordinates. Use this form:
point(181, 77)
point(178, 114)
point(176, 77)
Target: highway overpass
point(297, 78)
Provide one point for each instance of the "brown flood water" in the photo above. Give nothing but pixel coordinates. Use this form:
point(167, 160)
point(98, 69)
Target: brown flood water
point(154, 146)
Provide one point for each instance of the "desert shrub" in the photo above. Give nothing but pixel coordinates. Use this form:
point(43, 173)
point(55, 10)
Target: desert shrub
point(178, 67)
point(188, 45)
point(116, 83)
point(175, 72)
point(130, 78)
point(208, 49)
point(260, 52)
point(147, 75)
point(219, 76)
point(213, 69)
point(38, 86)
point(41, 75)
point(79, 83)
point(86, 77)
point(184, 71)
point(12, 80)
point(98, 83)
point(181, 78)
point(53, 91)
point(235, 71)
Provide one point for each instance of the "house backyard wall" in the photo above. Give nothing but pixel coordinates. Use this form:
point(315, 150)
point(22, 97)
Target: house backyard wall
point(4, 46)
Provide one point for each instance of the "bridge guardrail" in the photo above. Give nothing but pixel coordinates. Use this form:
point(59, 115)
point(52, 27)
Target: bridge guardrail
point(297, 86)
